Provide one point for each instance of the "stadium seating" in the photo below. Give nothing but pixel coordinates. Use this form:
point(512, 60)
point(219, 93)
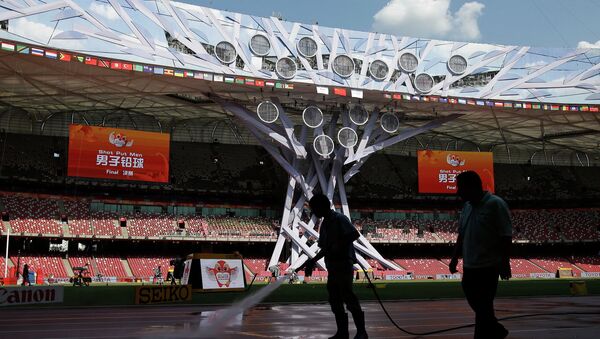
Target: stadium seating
point(588, 264)
point(104, 224)
point(150, 225)
point(110, 267)
point(79, 218)
point(143, 267)
point(81, 262)
point(29, 215)
point(423, 267)
point(50, 265)
point(552, 264)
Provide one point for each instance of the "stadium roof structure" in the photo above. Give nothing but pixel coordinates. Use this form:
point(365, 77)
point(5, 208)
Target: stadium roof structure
point(161, 65)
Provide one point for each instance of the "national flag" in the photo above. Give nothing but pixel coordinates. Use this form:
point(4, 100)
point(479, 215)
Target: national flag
point(269, 83)
point(138, 68)
point(116, 65)
point(149, 69)
point(397, 96)
point(51, 54)
point(239, 81)
point(480, 103)
point(470, 102)
point(323, 90)
point(22, 49)
point(37, 52)
point(278, 85)
point(103, 63)
point(218, 77)
point(178, 73)
point(288, 86)
point(489, 103)
point(168, 71)
point(452, 100)
point(158, 70)
point(8, 47)
point(406, 97)
point(415, 98)
point(229, 80)
point(594, 109)
point(260, 83)
point(554, 107)
point(536, 106)
point(387, 95)
point(574, 108)
point(527, 106)
point(425, 99)
point(444, 100)
point(498, 104)
point(462, 101)
point(91, 61)
point(127, 67)
point(79, 58)
point(199, 76)
point(508, 105)
point(209, 77)
point(340, 91)
point(62, 56)
point(434, 99)
point(188, 74)
point(565, 108)
point(355, 93)
point(584, 108)
point(250, 82)
point(518, 105)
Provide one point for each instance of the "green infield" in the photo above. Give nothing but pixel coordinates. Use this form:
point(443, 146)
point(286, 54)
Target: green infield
point(314, 293)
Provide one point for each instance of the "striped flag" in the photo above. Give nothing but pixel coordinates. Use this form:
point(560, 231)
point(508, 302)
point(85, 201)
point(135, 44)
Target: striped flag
point(536, 106)
point(51, 54)
point(178, 73)
point(269, 83)
point(168, 71)
point(508, 105)
point(527, 106)
point(158, 70)
point(22, 49)
point(104, 63)
point(138, 68)
point(498, 104)
point(239, 81)
point(218, 78)
point(250, 82)
point(188, 74)
point(594, 109)
point(209, 77)
point(6, 46)
point(37, 52)
point(229, 80)
point(323, 90)
point(397, 96)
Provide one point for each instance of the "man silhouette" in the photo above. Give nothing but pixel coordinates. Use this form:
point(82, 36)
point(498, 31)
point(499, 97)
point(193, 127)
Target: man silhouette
point(336, 236)
point(484, 240)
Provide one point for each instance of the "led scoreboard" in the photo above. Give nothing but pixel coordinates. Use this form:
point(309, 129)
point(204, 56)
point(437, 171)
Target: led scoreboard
point(118, 154)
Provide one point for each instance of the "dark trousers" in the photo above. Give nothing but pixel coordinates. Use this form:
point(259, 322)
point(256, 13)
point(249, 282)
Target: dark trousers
point(339, 287)
point(480, 285)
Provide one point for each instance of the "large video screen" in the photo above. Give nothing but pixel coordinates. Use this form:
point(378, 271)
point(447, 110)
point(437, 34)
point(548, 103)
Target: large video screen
point(118, 154)
point(437, 170)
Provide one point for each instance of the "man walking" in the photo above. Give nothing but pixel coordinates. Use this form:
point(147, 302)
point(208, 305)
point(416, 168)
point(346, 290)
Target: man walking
point(336, 236)
point(484, 240)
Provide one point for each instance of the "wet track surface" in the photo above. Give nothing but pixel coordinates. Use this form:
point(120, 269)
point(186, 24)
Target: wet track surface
point(301, 320)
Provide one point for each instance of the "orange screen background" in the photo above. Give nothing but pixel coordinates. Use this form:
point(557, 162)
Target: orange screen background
point(437, 175)
point(143, 156)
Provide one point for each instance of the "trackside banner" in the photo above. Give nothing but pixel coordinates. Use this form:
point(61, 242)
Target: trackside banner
point(30, 295)
point(398, 277)
point(145, 295)
point(590, 274)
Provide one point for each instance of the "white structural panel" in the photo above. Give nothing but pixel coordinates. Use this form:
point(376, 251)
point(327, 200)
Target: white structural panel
point(176, 34)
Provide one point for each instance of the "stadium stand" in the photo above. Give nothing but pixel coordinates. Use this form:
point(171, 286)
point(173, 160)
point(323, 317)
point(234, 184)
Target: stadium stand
point(552, 264)
point(143, 267)
point(50, 265)
point(147, 225)
point(587, 264)
point(30, 215)
point(79, 218)
point(104, 224)
point(423, 268)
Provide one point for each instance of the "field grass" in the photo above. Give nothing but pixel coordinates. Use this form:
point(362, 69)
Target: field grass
point(113, 295)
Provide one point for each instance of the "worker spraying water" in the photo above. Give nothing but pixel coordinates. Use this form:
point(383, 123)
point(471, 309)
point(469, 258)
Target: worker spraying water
point(336, 236)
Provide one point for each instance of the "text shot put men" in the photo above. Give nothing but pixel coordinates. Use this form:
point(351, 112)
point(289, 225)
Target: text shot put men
point(484, 240)
point(336, 236)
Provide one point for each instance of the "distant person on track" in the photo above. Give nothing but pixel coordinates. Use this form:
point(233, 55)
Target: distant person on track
point(484, 240)
point(336, 236)
point(25, 276)
point(158, 278)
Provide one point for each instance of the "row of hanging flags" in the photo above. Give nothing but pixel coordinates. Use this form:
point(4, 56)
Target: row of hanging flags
point(338, 91)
